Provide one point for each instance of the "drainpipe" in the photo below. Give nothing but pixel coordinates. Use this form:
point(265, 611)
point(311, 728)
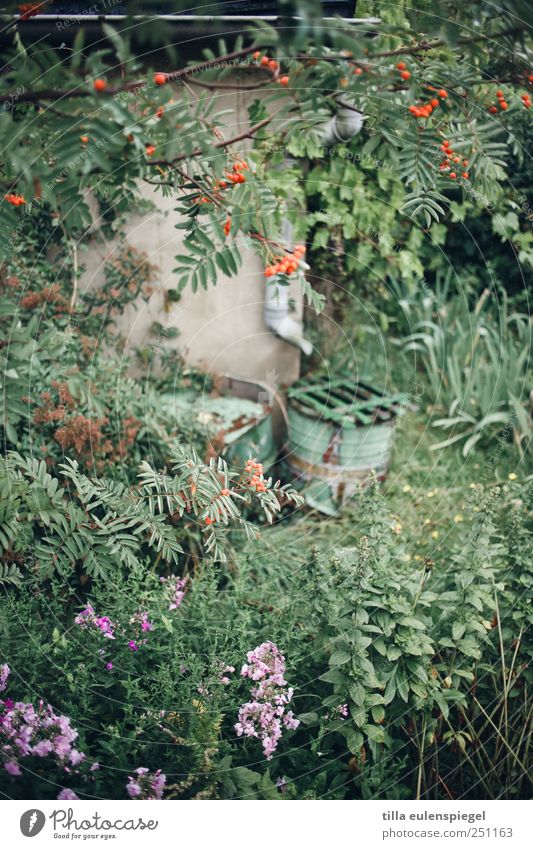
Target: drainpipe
point(343, 126)
point(278, 317)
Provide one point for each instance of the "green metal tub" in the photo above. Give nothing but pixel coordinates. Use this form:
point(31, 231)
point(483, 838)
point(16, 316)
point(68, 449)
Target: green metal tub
point(338, 432)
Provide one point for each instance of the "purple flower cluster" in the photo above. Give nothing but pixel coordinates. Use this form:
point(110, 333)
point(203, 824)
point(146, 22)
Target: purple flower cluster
point(141, 618)
point(25, 731)
point(4, 675)
point(146, 785)
point(67, 793)
point(88, 619)
point(224, 671)
point(175, 590)
point(140, 621)
point(265, 714)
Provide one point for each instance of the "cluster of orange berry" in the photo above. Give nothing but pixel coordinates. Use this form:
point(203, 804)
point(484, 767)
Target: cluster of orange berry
point(286, 264)
point(14, 200)
point(227, 226)
point(255, 471)
point(232, 177)
point(425, 109)
point(526, 100)
point(451, 157)
point(29, 10)
point(502, 103)
point(404, 73)
point(267, 62)
point(236, 175)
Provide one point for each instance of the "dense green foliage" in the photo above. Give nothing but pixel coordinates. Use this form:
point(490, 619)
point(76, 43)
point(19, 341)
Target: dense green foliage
point(138, 570)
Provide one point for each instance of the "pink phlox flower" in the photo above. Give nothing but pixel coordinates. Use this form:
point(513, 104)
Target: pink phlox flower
point(175, 590)
point(264, 716)
point(5, 672)
point(146, 785)
point(66, 793)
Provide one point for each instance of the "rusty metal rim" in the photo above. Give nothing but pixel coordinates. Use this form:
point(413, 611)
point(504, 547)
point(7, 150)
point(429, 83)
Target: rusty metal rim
point(329, 472)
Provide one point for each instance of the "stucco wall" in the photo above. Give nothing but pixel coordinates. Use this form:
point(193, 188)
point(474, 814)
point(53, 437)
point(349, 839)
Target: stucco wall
point(222, 329)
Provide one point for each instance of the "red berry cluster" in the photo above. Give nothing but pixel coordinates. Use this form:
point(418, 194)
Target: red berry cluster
point(424, 110)
point(254, 471)
point(236, 175)
point(231, 178)
point(501, 101)
point(267, 62)
point(451, 159)
point(14, 200)
point(526, 100)
point(29, 10)
point(286, 264)
point(227, 226)
point(404, 73)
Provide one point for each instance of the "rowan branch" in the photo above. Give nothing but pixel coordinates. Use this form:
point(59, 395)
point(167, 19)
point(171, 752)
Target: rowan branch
point(424, 46)
point(172, 76)
point(198, 151)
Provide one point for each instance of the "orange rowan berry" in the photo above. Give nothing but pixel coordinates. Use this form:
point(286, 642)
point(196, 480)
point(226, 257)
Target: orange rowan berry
point(357, 71)
point(504, 105)
point(401, 66)
point(99, 84)
point(442, 93)
point(405, 75)
point(84, 139)
point(160, 79)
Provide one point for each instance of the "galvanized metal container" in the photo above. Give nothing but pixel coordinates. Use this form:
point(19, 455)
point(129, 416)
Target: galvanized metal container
point(338, 431)
point(238, 419)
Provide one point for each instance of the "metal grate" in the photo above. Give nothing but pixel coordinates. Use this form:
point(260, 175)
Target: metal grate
point(344, 402)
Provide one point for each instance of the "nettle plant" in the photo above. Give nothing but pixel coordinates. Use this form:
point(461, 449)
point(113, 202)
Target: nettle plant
point(428, 94)
point(426, 666)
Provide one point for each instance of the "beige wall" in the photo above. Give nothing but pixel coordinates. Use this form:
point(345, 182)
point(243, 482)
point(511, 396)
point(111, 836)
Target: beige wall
point(222, 329)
